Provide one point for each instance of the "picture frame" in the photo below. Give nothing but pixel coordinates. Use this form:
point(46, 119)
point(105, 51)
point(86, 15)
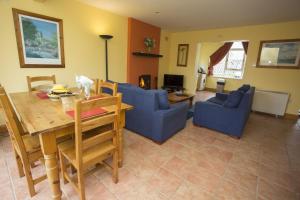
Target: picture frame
point(39, 39)
point(281, 54)
point(182, 55)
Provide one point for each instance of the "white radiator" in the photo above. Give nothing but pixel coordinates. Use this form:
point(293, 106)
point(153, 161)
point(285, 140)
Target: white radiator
point(270, 102)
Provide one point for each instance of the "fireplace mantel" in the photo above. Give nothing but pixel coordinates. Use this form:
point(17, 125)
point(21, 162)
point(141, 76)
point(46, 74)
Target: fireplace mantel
point(144, 54)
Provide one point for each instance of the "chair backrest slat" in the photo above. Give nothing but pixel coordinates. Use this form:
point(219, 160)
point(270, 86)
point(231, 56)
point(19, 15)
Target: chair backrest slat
point(112, 86)
point(96, 122)
point(13, 124)
point(30, 80)
point(98, 139)
point(82, 125)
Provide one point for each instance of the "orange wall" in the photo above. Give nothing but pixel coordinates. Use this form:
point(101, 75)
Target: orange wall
point(136, 65)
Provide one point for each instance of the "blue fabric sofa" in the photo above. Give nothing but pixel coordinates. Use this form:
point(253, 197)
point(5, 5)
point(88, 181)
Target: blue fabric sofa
point(227, 113)
point(152, 116)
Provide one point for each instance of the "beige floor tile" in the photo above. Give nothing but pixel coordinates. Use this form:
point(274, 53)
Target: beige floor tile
point(242, 178)
point(230, 191)
point(165, 182)
point(283, 179)
point(242, 162)
point(203, 179)
point(267, 190)
point(189, 191)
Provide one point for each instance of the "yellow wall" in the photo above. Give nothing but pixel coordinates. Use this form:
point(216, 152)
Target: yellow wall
point(270, 79)
point(163, 61)
point(84, 50)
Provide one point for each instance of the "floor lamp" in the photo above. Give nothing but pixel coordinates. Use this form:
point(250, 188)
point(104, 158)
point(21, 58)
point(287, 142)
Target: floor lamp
point(106, 37)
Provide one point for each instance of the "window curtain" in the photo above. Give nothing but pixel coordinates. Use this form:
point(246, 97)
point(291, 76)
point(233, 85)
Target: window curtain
point(217, 56)
point(245, 46)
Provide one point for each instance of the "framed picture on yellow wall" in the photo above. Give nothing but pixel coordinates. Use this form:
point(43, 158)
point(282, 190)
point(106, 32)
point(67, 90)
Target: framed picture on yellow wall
point(279, 54)
point(182, 55)
point(39, 40)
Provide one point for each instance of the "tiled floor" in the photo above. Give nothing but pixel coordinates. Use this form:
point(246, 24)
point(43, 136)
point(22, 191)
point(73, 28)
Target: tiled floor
point(196, 163)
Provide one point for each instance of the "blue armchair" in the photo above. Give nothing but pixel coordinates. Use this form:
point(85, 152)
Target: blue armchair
point(214, 113)
point(152, 116)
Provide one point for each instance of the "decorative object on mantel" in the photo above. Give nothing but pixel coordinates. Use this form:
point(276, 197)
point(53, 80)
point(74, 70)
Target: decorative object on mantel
point(106, 37)
point(39, 39)
point(182, 55)
point(284, 54)
point(146, 54)
point(149, 43)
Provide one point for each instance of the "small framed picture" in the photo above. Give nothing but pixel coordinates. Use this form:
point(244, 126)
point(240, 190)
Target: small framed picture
point(39, 39)
point(284, 54)
point(182, 55)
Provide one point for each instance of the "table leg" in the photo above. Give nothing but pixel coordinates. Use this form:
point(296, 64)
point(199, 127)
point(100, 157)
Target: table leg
point(49, 148)
point(120, 150)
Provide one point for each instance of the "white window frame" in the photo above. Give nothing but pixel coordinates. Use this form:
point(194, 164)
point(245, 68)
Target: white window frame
point(226, 66)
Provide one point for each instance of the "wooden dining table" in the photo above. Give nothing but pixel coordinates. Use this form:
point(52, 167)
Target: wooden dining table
point(48, 120)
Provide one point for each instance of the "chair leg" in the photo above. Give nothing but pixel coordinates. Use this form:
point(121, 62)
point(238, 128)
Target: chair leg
point(29, 179)
point(115, 167)
point(81, 188)
point(19, 164)
point(63, 167)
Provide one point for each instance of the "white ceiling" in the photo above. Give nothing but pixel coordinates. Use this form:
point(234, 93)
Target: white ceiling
point(181, 15)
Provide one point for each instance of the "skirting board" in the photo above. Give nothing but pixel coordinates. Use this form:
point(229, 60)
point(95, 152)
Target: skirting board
point(291, 116)
point(286, 116)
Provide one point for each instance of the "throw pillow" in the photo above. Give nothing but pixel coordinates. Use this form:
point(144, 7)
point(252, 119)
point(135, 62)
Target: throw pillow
point(234, 99)
point(163, 100)
point(244, 88)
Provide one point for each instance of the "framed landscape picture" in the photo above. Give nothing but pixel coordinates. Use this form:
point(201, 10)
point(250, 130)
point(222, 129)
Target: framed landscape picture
point(39, 39)
point(182, 55)
point(279, 54)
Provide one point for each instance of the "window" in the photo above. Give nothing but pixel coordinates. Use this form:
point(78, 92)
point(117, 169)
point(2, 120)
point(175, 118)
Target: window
point(232, 65)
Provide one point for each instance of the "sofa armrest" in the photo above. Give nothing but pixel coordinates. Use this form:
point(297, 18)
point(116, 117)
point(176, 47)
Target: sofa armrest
point(176, 110)
point(221, 96)
point(168, 122)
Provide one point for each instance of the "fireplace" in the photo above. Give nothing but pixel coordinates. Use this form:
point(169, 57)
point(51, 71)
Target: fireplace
point(145, 81)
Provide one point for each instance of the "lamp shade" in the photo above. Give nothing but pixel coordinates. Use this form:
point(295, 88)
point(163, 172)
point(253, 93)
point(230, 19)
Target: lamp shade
point(106, 37)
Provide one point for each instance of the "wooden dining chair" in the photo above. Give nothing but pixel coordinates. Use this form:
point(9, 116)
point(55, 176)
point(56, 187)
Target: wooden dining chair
point(30, 80)
point(106, 87)
point(93, 144)
point(26, 148)
point(94, 89)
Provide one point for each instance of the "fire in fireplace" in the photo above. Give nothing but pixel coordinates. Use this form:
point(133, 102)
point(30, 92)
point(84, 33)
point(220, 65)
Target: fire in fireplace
point(145, 81)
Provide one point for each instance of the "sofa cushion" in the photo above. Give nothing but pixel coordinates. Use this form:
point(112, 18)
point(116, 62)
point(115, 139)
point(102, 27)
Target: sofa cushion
point(234, 99)
point(125, 84)
point(163, 100)
point(216, 100)
point(244, 88)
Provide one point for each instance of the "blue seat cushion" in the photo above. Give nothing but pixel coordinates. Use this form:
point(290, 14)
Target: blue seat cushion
point(244, 88)
point(216, 101)
point(234, 99)
point(163, 100)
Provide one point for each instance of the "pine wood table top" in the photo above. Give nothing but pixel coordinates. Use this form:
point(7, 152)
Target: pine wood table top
point(43, 115)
